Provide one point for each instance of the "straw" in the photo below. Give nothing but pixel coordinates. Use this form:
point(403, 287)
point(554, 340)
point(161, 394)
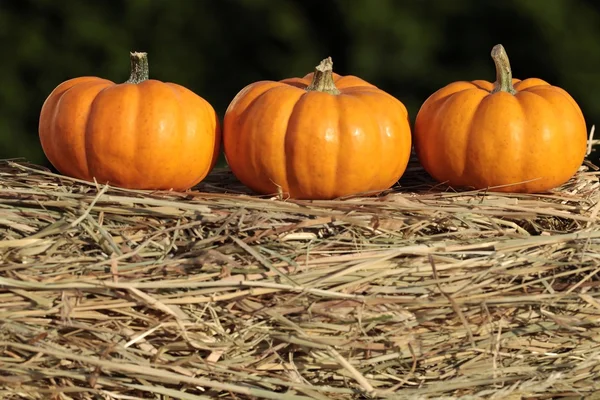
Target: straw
point(420, 292)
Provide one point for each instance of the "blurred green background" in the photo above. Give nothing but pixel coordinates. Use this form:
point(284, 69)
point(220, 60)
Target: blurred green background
point(410, 48)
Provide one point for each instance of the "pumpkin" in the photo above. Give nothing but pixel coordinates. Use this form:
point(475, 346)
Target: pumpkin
point(141, 134)
point(322, 136)
point(508, 136)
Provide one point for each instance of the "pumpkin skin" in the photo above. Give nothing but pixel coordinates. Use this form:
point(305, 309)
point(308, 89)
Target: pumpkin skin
point(142, 134)
point(509, 136)
point(323, 136)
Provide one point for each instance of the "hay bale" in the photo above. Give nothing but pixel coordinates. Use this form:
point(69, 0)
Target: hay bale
point(420, 292)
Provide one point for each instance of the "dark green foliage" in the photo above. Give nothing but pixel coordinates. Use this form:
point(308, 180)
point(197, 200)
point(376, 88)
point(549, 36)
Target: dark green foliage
point(215, 47)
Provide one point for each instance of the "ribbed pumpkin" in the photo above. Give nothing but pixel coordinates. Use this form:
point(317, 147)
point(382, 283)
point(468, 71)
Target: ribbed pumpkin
point(141, 134)
point(507, 136)
point(323, 136)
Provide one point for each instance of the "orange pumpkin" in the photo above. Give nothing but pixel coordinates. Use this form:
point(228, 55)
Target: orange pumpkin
point(141, 134)
point(508, 136)
point(319, 137)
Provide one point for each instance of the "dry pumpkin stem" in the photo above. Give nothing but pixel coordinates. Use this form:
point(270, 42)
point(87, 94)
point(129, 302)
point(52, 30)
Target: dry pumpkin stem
point(418, 293)
point(140, 70)
point(323, 78)
point(503, 71)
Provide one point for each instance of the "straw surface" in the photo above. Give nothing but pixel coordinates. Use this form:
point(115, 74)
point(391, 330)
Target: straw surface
point(419, 292)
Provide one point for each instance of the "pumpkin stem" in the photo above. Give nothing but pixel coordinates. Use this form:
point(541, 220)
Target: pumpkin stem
point(139, 67)
point(323, 78)
point(503, 71)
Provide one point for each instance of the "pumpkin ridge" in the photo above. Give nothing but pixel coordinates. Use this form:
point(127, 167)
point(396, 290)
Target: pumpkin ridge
point(185, 107)
point(88, 173)
point(232, 155)
point(285, 174)
point(515, 158)
point(215, 131)
point(436, 124)
point(306, 180)
point(342, 133)
point(346, 82)
point(52, 134)
point(299, 83)
point(289, 177)
point(526, 166)
point(554, 89)
point(526, 84)
point(243, 115)
point(376, 122)
point(256, 166)
point(103, 159)
point(467, 132)
point(59, 110)
point(468, 147)
point(209, 133)
point(353, 90)
point(86, 135)
point(180, 121)
point(566, 149)
point(382, 140)
point(340, 122)
point(134, 122)
point(527, 92)
point(480, 85)
point(86, 138)
point(461, 91)
point(524, 160)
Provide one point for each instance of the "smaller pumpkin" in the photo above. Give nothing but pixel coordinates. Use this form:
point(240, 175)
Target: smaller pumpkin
point(141, 134)
point(507, 136)
point(322, 136)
